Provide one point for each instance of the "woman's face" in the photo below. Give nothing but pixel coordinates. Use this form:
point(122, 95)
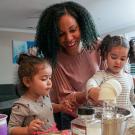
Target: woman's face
point(70, 35)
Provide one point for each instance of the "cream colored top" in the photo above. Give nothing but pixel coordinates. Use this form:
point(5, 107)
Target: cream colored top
point(127, 96)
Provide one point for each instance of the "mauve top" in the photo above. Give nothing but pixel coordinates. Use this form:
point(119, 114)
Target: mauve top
point(71, 74)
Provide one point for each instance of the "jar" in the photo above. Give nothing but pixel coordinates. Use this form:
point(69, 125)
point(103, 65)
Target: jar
point(86, 123)
point(113, 123)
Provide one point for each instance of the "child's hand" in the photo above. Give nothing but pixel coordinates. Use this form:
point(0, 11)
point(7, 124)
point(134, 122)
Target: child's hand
point(35, 125)
point(93, 95)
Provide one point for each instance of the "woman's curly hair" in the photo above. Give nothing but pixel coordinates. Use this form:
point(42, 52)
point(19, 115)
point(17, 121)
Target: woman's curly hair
point(48, 32)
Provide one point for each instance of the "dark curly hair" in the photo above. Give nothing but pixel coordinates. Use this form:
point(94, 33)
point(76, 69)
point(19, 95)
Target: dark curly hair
point(112, 41)
point(47, 33)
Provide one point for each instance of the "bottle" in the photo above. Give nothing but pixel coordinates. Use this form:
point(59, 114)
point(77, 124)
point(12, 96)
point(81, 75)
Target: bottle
point(86, 123)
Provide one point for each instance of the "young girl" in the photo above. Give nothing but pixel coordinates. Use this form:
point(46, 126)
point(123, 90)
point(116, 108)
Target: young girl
point(33, 111)
point(115, 50)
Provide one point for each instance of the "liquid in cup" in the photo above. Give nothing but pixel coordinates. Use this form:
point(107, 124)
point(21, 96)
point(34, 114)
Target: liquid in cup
point(113, 123)
point(3, 124)
point(114, 126)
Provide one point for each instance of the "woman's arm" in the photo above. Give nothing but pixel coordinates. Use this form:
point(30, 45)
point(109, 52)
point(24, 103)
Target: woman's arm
point(62, 90)
point(62, 107)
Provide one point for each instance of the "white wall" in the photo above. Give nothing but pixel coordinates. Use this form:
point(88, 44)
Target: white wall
point(7, 68)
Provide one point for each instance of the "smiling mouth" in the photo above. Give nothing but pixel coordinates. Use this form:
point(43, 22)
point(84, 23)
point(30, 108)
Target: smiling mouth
point(72, 44)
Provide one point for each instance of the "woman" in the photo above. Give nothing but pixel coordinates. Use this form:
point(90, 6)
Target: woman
point(67, 36)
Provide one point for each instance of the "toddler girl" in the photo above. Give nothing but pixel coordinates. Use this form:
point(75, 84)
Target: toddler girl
point(33, 111)
point(115, 50)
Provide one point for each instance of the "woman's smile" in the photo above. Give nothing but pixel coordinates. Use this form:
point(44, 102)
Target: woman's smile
point(70, 35)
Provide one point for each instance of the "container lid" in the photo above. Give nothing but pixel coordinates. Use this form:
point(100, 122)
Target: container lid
point(85, 111)
point(3, 117)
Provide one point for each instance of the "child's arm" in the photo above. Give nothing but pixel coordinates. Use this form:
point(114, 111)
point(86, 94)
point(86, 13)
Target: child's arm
point(35, 125)
point(93, 95)
point(96, 80)
point(17, 116)
point(19, 131)
point(92, 91)
point(16, 123)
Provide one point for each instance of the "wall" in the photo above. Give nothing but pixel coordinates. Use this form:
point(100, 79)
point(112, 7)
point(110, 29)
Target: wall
point(124, 31)
point(7, 68)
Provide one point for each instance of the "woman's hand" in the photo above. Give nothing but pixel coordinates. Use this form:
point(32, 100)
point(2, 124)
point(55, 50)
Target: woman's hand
point(35, 125)
point(66, 106)
point(97, 43)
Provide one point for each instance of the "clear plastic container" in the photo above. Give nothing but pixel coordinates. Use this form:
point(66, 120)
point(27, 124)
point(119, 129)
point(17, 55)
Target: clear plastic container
point(109, 109)
point(3, 124)
point(86, 123)
point(113, 123)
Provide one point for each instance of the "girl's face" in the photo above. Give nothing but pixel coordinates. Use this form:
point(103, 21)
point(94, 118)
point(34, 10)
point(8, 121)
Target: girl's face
point(116, 59)
point(70, 36)
point(41, 83)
